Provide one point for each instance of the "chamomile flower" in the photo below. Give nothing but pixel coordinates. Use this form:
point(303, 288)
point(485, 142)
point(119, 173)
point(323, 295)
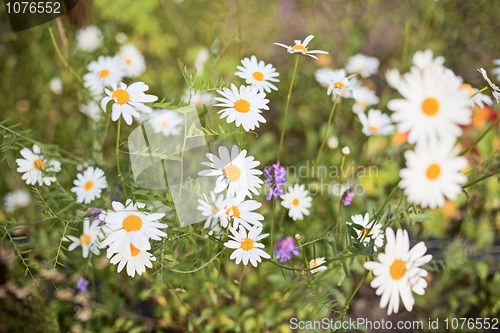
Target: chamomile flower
point(431, 109)
point(88, 39)
point(393, 77)
point(88, 240)
point(243, 107)
point(89, 185)
point(126, 226)
point(136, 262)
point(91, 109)
point(236, 172)
point(167, 122)
point(210, 212)
point(433, 173)
point(496, 71)
point(362, 64)
point(103, 72)
point(56, 85)
point(425, 61)
point(200, 60)
point(258, 74)
point(240, 212)
point(297, 200)
point(247, 246)
point(316, 264)
point(494, 87)
point(198, 100)
point(479, 99)
point(128, 101)
point(35, 167)
point(338, 82)
point(398, 272)
point(375, 233)
point(363, 98)
point(377, 123)
point(301, 47)
point(133, 60)
point(15, 200)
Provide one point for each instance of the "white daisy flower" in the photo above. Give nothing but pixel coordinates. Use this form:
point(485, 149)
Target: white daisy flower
point(316, 264)
point(377, 123)
point(258, 74)
point(88, 39)
point(431, 108)
point(393, 77)
point(236, 172)
point(89, 185)
point(121, 37)
point(102, 73)
point(137, 261)
point(479, 99)
point(362, 64)
point(376, 232)
point(167, 122)
point(88, 240)
point(91, 109)
point(200, 60)
point(297, 200)
point(338, 82)
point(56, 85)
point(432, 173)
point(35, 167)
point(244, 107)
point(133, 60)
point(398, 273)
point(128, 226)
point(240, 212)
point(16, 199)
point(247, 248)
point(301, 48)
point(198, 100)
point(425, 61)
point(494, 87)
point(210, 212)
point(363, 98)
point(128, 101)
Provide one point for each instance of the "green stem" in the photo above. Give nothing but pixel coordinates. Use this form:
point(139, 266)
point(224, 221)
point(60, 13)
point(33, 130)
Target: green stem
point(339, 227)
point(241, 137)
point(287, 105)
point(238, 14)
point(272, 229)
point(479, 138)
point(118, 153)
point(346, 306)
point(478, 92)
point(488, 175)
point(325, 136)
point(239, 322)
point(65, 63)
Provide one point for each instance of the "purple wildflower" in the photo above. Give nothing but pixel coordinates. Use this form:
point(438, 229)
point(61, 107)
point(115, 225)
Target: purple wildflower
point(276, 178)
point(94, 215)
point(348, 196)
point(82, 284)
point(285, 248)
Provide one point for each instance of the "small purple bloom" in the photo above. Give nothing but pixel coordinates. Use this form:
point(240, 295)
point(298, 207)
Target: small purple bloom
point(276, 178)
point(285, 248)
point(82, 285)
point(94, 215)
point(348, 196)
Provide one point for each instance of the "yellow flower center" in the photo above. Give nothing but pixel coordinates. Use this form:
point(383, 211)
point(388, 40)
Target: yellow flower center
point(84, 239)
point(295, 202)
point(164, 123)
point(232, 172)
point(339, 85)
point(373, 129)
point(236, 211)
point(258, 76)
point(398, 269)
point(132, 223)
point(104, 73)
point(88, 185)
point(135, 251)
point(39, 164)
point(247, 244)
point(242, 106)
point(122, 96)
point(365, 233)
point(433, 171)
point(467, 87)
point(430, 106)
point(314, 264)
point(299, 48)
point(128, 61)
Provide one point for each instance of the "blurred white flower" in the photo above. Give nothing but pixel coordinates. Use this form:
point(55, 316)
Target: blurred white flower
point(376, 123)
point(91, 109)
point(56, 85)
point(133, 60)
point(363, 98)
point(200, 60)
point(89, 38)
point(425, 61)
point(362, 64)
point(16, 199)
point(120, 37)
point(393, 77)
